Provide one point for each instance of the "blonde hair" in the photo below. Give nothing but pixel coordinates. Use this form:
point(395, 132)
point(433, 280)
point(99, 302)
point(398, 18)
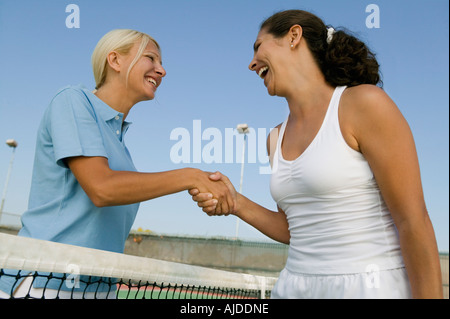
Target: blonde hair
point(120, 40)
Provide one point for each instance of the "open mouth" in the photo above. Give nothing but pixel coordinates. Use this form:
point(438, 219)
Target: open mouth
point(151, 80)
point(263, 72)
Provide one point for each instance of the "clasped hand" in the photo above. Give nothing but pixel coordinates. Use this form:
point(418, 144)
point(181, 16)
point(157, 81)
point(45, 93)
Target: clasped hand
point(218, 197)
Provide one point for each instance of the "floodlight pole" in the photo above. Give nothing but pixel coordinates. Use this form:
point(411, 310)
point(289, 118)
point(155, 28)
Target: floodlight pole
point(242, 129)
point(11, 143)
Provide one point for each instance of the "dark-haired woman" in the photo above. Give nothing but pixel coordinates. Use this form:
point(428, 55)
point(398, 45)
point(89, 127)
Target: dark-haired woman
point(345, 171)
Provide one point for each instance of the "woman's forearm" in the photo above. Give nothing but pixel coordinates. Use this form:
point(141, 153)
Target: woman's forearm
point(270, 223)
point(107, 187)
point(421, 258)
point(124, 187)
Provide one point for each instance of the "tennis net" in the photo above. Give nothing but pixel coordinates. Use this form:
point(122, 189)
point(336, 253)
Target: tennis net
point(31, 268)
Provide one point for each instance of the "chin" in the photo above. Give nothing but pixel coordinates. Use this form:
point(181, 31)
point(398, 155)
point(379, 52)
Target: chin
point(276, 91)
point(145, 98)
point(271, 92)
point(148, 96)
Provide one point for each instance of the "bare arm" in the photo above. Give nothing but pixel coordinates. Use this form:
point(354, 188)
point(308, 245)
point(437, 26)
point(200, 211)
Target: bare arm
point(375, 126)
point(270, 223)
point(106, 187)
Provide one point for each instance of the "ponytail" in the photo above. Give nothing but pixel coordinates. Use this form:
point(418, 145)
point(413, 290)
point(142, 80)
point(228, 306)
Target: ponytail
point(348, 61)
point(342, 58)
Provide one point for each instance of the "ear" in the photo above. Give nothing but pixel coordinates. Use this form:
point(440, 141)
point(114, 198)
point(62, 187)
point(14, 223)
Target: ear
point(114, 60)
point(294, 35)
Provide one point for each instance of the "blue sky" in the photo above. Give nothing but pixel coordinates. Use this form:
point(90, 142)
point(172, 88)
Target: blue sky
point(206, 48)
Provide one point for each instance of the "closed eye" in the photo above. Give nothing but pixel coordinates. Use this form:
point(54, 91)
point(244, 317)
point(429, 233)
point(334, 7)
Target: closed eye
point(153, 57)
point(256, 46)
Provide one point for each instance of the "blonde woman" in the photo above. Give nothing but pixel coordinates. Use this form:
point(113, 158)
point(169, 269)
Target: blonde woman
point(85, 189)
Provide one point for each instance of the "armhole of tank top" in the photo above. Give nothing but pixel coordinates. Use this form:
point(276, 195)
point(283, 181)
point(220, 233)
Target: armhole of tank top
point(338, 127)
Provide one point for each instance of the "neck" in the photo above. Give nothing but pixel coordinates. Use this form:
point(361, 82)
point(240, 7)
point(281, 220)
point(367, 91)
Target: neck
point(309, 98)
point(116, 96)
point(306, 89)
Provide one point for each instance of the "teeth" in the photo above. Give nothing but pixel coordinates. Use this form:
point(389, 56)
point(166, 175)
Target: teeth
point(262, 70)
point(151, 81)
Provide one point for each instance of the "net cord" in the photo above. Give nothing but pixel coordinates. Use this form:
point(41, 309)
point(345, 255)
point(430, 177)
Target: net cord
point(32, 254)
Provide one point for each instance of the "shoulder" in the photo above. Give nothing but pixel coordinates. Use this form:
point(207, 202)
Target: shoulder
point(70, 91)
point(367, 113)
point(274, 132)
point(364, 95)
point(70, 97)
point(272, 138)
point(365, 104)
point(69, 104)
point(276, 129)
point(366, 98)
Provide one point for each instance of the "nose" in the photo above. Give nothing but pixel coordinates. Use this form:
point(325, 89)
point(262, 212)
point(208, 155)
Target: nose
point(252, 65)
point(161, 71)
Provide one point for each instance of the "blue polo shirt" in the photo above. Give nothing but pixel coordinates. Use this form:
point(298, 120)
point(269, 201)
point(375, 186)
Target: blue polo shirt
point(77, 123)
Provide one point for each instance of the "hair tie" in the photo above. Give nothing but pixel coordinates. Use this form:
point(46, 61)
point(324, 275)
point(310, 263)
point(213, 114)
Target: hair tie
point(330, 32)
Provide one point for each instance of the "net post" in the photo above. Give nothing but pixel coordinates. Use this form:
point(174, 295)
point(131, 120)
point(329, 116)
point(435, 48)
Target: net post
point(263, 288)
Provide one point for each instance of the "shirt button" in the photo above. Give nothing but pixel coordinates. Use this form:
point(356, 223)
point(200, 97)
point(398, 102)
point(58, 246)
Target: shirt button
point(117, 117)
point(117, 132)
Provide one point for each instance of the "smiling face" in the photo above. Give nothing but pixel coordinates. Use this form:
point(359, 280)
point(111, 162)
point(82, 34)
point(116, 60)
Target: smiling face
point(281, 61)
point(269, 61)
point(146, 74)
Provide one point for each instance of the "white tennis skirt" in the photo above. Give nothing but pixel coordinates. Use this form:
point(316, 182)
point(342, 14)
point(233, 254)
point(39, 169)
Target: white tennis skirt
point(386, 284)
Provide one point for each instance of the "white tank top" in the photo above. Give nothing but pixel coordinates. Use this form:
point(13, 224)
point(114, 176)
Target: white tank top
point(338, 220)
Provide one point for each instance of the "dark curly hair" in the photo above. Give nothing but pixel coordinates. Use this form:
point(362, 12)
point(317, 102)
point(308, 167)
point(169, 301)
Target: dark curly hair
point(344, 61)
